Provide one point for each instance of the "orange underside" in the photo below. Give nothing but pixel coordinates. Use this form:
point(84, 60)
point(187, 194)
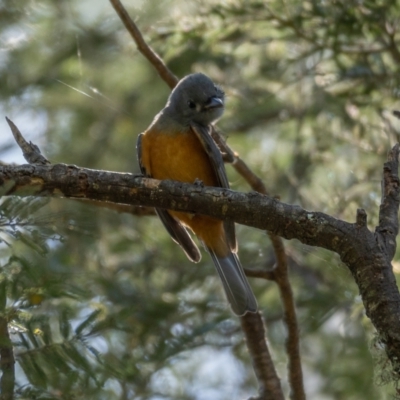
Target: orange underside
point(181, 157)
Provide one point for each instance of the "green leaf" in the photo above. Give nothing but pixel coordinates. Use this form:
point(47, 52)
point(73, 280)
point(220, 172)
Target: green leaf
point(87, 322)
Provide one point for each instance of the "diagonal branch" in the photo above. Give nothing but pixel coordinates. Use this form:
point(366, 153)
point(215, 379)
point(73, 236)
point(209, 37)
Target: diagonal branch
point(33, 155)
point(281, 277)
point(143, 47)
point(270, 388)
point(30, 151)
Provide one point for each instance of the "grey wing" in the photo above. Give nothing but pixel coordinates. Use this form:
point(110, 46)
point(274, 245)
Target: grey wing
point(179, 235)
point(139, 155)
point(215, 156)
point(177, 231)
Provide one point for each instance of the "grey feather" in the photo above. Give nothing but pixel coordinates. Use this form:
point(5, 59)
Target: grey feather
point(180, 235)
point(234, 281)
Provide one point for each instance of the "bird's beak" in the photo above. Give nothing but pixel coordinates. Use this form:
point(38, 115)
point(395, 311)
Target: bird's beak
point(214, 102)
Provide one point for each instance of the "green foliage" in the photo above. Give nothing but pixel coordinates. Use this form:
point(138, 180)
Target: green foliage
point(104, 305)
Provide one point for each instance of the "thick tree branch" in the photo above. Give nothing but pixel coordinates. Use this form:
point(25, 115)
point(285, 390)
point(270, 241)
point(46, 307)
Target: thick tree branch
point(252, 209)
point(357, 247)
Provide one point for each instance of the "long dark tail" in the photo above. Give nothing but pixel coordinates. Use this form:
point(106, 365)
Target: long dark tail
point(237, 289)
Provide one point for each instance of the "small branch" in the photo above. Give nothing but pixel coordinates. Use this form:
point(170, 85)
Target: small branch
point(388, 212)
point(240, 166)
point(254, 181)
point(260, 273)
point(155, 60)
point(30, 151)
point(7, 361)
point(270, 387)
point(289, 315)
point(33, 155)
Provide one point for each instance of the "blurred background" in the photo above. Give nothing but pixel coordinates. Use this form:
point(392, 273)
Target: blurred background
point(102, 304)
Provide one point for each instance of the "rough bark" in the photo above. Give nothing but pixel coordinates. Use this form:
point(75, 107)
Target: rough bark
point(367, 254)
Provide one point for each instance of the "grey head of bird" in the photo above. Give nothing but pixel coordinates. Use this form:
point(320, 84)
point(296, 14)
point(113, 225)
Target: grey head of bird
point(196, 99)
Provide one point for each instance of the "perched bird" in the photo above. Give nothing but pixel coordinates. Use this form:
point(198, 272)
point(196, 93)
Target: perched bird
point(178, 146)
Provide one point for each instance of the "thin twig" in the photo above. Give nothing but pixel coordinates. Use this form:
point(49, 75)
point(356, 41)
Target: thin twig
point(260, 273)
point(155, 60)
point(289, 315)
point(240, 166)
point(30, 151)
point(33, 155)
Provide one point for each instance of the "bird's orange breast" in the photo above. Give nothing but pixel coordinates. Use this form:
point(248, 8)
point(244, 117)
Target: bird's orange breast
point(181, 157)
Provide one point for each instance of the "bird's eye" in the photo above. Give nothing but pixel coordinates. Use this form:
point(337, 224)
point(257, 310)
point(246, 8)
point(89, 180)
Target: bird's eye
point(191, 104)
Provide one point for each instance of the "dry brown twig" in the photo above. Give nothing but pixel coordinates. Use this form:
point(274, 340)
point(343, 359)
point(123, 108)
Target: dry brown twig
point(30, 151)
point(33, 155)
point(142, 46)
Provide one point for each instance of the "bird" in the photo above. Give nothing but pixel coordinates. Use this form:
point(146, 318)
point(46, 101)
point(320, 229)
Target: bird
point(178, 146)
